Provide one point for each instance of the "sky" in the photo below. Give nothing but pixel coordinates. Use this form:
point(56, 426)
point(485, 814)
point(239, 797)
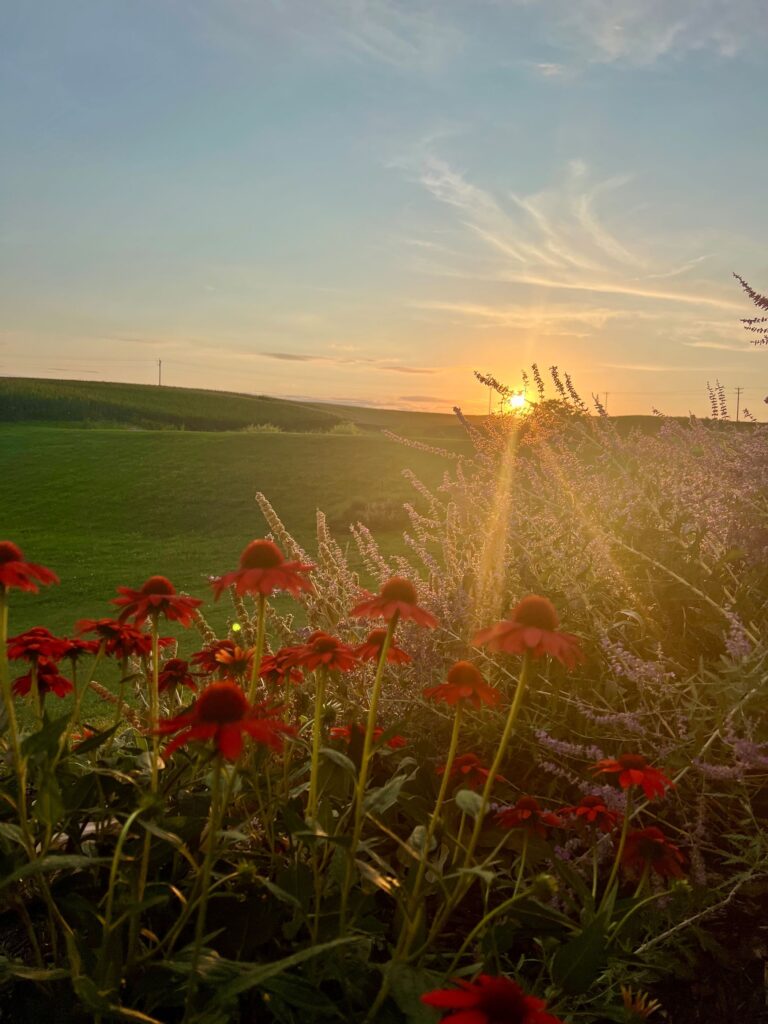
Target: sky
point(366, 200)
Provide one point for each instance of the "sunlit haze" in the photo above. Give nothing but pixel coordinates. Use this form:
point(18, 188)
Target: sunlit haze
point(365, 200)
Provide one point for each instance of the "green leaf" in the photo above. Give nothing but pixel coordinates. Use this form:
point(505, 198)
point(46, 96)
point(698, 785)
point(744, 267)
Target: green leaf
point(49, 805)
point(281, 894)
point(63, 862)
point(256, 974)
point(340, 759)
point(11, 833)
point(95, 741)
point(46, 740)
point(301, 994)
point(16, 969)
point(482, 873)
point(577, 964)
point(380, 800)
point(468, 801)
point(406, 985)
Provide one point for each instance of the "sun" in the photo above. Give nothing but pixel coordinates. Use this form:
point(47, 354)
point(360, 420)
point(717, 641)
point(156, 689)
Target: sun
point(517, 400)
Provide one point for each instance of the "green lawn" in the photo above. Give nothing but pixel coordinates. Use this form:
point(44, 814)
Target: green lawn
point(109, 507)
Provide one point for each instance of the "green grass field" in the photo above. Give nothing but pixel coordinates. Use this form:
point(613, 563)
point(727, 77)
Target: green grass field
point(109, 507)
point(104, 508)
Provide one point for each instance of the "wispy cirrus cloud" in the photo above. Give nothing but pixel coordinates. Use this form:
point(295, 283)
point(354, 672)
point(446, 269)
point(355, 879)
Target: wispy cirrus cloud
point(415, 35)
point(722, 346)
point(640, 33)
point(556, 239)
point(366, 362)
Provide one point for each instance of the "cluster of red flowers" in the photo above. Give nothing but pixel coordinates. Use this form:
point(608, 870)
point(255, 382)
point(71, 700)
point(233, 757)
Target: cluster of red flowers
point(634, 770)
point(643, 847)
point(42, 651)
point(222, 713)
point(347, 732)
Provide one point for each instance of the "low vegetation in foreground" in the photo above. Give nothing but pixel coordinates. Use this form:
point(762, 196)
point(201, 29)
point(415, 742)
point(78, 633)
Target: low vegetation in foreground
point(520, 778)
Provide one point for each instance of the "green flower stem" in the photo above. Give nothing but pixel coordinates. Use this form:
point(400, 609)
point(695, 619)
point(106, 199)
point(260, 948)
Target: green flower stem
point(459, 837)
point(19, 762)
point(74, 720)
point(480, 926)
point(594, 871)
point(214, 823)
point(633, 910)
point(362, 777)
point(619, 849)
point(523, 860)
point(412, 917)
point(109, 911)
point(321, 678)
point(413, 909)
point(154, 705)
point(643, 880)
point(500, 752)
point(37, 699)
point(465, 881)
point(261, 616)
point(154, 715)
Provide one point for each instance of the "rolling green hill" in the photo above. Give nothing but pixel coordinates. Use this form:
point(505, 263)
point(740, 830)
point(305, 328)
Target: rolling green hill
point(100, 403)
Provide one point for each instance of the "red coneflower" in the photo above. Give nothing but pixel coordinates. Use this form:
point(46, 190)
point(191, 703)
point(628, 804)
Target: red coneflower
point(49, 680)
point(280, 668)
point(328, 651)
point(634, 770)
point(468, 769)
point(464, 683)
point(398, 597)
point(370, 649)
point(15, 572)
point(174, 673)
point(76, 648)
point(35, 643)
point(156, 597)
point(344, 732)
point(121, 641)
point(207, 660)
point(234, 662)
point(222, 713)
point(593, 811)
point(488, 1000)
point(528, 814)
point(532, 627)
point(263, 570)
point(649, 847)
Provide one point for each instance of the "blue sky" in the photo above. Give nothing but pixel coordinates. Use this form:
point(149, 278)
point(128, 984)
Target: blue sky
point(365, 200)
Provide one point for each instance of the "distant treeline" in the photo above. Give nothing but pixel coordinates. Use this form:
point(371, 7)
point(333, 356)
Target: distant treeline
point(24, 400)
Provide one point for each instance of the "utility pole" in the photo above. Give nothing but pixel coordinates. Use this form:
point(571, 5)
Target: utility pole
point(605, 401)
point(738, 402)
point(159, 372)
